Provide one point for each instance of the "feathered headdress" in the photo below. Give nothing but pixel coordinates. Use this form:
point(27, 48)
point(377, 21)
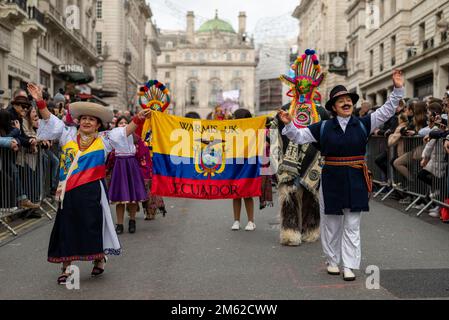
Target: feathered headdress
point(304, 80)
point(154, 95)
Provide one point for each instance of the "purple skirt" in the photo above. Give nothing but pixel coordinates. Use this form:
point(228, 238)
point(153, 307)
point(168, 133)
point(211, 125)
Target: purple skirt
point(127, 184)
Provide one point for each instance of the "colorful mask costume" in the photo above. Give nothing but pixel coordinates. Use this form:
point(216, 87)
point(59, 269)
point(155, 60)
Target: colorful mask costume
point(299, 167)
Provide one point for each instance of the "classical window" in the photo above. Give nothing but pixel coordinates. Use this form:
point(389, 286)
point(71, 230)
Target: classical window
point(167, 75)
point(44, 78)
point(215, 91)
point(382, 11)
point(393, 50)
point(193, 73)
point(422, 32)
point(270, 95)
point(237, 73)
point(99, 9)
point(228, 57)
point(243, 56)
point(99, 43)
point(188, 56)
point(192, 93)
point(167, 58)
point(99, 75)
point(381, 57)
point(237, 84)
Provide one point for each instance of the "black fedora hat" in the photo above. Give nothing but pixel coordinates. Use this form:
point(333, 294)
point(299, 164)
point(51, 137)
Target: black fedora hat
point(339, 91)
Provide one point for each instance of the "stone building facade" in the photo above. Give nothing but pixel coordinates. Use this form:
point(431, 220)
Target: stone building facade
point(322, 27)
point(20, 26)
point(67, 44)
point(412, 36)
point(121, 43)
point(152, 50)
point(378, 36)
point(197, 65)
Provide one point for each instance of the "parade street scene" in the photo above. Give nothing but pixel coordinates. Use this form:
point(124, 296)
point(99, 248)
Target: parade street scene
point(245, 152)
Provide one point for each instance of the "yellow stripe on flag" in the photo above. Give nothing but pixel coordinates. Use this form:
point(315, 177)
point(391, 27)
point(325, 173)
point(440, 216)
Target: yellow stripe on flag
point(177, 136)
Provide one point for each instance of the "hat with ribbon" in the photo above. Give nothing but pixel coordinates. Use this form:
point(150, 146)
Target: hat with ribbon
point(82, 108)
point(339, 91)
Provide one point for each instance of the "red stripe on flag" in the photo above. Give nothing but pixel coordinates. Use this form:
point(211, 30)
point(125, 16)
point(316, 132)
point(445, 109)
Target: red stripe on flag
point(86, 176)
point(206, 189)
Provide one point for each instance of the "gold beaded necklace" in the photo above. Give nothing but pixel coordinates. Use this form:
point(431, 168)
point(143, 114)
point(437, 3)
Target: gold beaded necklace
point(85, 140)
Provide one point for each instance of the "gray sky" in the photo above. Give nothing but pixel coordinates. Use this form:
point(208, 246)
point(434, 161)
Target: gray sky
point(265, 18)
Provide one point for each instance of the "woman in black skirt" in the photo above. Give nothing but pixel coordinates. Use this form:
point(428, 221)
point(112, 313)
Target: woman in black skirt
point(83, 230)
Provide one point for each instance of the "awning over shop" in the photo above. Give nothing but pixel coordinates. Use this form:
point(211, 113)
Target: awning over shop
point(73, 73)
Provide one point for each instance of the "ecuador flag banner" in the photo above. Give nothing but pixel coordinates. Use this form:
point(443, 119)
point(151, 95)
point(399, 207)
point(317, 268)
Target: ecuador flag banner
point(205, 159)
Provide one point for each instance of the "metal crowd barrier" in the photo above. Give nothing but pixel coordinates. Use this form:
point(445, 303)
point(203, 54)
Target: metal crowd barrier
point(439, 178)
point(23, 174)
point(400, 171)
point(377, 148)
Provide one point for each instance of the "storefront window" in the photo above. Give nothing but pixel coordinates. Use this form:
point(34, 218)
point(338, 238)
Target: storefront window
point(44, 78)
point(423, 87)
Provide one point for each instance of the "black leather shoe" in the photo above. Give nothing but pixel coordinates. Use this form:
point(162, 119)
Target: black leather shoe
point(132, 226)
point(119, 229)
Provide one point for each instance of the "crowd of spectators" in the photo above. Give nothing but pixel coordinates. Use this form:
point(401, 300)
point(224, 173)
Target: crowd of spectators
point(417, 134)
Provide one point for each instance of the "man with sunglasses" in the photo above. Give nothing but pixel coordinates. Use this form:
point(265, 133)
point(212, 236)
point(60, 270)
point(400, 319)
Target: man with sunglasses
point(19, 107)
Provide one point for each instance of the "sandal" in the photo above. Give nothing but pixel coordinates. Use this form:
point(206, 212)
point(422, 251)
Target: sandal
point(96, 271)
point(62, 279)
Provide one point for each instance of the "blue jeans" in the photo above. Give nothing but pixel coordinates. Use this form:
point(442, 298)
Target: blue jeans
point(53, 162)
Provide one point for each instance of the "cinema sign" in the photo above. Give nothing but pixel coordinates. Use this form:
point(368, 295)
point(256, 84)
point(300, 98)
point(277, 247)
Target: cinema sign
point(73, 73)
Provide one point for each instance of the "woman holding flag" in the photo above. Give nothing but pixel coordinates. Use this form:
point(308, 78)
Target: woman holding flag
point(83, 229)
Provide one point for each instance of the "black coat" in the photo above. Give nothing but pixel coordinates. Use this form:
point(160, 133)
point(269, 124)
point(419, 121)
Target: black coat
point(22, 138)
point(343, 187)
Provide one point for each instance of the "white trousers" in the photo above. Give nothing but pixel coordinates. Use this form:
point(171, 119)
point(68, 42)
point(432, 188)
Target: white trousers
point(340, 237)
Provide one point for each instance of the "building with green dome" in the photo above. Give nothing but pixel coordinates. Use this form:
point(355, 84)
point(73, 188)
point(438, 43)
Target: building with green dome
point(200, 64)
point(216, 24)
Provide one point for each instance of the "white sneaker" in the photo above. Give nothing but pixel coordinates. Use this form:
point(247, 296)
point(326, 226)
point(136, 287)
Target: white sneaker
point(251, 226)
point(435, 212)
point(348, 275)
point(236, 226)
point(419, 206)
point(333, 270)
